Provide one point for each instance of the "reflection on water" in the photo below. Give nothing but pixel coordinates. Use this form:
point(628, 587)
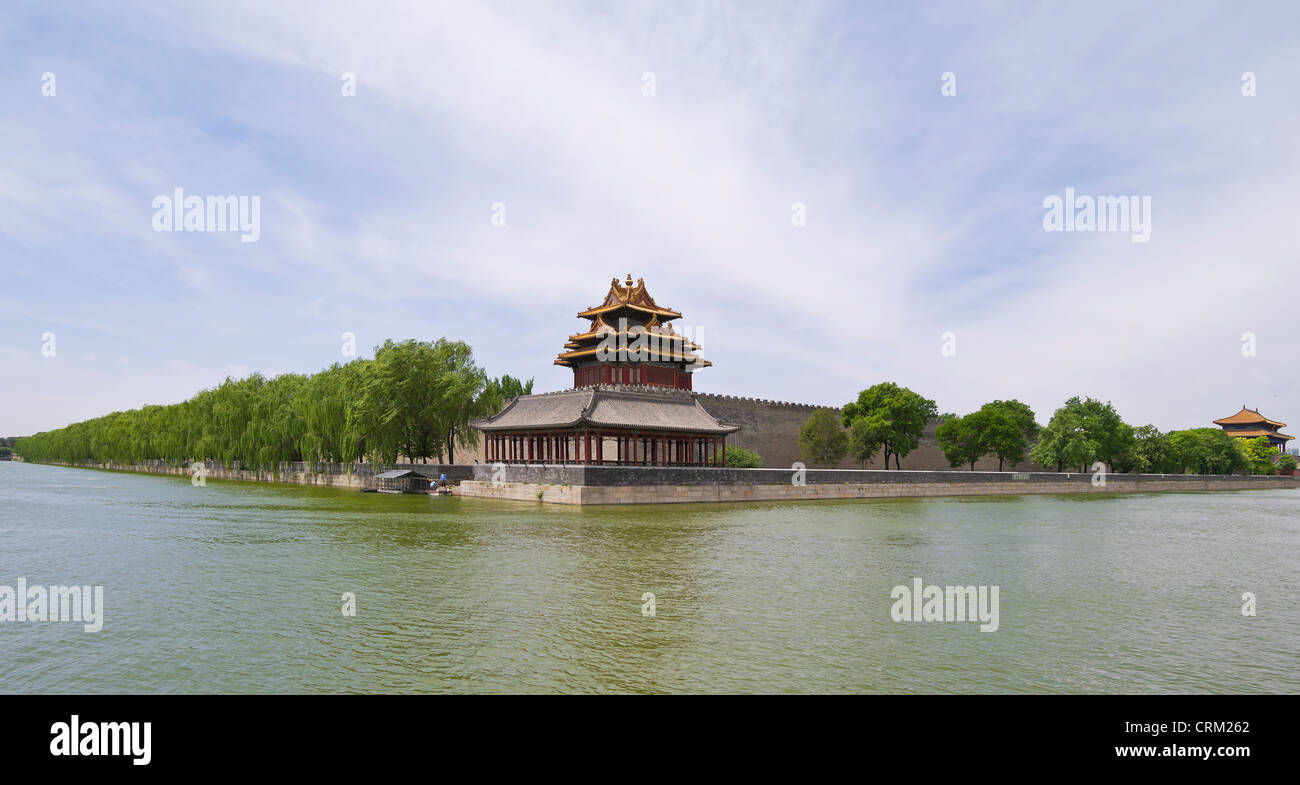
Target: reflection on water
point(237, 587)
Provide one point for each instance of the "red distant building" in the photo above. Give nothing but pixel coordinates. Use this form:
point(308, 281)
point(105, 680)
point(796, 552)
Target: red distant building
point(1250, 424)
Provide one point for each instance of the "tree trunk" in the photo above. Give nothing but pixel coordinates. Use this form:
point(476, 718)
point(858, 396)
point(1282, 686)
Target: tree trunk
point(897, 465)
point(972, 464)
point(999, 463)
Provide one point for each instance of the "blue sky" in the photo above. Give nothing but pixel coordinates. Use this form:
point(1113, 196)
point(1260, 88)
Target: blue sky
point(924, 211)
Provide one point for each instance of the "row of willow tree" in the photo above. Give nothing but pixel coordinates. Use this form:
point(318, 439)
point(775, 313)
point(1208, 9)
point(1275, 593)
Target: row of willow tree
point(892, 419)
point(414, 399)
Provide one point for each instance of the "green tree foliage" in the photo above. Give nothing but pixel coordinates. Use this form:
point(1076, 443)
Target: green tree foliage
point(740, 458)
point(1064, 443)
point(414, 399)
point(1151, 450)
point(1259, 455)
point(1001, 428)
point(823, 441)
point(1084, 431)
point(498, 392)
point(960, 440)
point(886, 416)
point(1287, 463)
point(1203, 451)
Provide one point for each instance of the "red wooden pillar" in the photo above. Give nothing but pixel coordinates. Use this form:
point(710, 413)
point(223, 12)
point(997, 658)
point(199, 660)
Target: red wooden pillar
point(600, 447)
point(724, 451)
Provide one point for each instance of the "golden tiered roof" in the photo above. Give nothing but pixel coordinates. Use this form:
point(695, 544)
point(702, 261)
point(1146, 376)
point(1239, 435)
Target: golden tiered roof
point(1248, 417)
point(627, 296)
point(631, 306)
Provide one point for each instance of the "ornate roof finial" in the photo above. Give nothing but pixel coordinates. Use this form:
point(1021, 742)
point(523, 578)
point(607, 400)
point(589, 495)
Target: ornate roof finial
point(629, 280)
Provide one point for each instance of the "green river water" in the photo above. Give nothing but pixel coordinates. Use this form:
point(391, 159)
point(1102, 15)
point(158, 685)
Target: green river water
point(237, 587)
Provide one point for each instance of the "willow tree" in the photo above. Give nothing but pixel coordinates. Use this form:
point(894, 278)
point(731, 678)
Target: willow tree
point(460, 382)
point(414, 398)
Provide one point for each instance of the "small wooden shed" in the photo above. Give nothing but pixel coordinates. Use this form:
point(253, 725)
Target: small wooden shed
point(402, 481)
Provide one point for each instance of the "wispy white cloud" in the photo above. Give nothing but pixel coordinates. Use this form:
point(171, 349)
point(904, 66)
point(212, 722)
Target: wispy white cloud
point(923, 212)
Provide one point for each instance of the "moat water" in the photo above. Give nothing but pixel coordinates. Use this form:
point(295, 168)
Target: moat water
point(238, 587)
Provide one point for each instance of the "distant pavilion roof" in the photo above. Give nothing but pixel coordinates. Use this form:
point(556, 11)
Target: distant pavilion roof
point(628, 407)
point(1248, 417)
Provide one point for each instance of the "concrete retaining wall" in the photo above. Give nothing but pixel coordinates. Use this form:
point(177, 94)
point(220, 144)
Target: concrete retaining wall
point(652, 485)
point(340, 475)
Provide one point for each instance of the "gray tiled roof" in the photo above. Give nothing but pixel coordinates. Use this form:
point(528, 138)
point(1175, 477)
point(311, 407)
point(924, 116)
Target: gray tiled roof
point(616, 406)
